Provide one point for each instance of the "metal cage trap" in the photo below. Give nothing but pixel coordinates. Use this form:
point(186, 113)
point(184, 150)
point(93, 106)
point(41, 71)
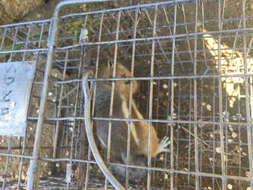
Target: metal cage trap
point(179, 69)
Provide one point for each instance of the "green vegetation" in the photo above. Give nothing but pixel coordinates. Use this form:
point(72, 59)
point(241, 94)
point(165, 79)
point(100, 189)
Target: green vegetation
point(9, 48)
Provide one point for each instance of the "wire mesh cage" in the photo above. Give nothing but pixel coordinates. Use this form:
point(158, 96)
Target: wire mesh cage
point(187, 68)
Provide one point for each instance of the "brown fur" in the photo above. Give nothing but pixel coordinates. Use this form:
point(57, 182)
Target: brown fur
point(123, 86)
point(140, 130)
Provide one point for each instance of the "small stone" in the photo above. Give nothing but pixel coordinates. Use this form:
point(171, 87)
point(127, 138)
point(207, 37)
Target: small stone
point(165, 86)
point(230, 128)
point(218, 150)
point(230, 186)
point(208, 107)
point(50, 93)
point(234, 134)
point(239, 115)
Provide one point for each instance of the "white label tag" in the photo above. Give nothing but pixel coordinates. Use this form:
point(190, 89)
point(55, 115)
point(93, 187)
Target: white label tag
point(15, 87)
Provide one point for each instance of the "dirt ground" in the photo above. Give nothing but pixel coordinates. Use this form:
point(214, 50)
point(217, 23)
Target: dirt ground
point(235, 138)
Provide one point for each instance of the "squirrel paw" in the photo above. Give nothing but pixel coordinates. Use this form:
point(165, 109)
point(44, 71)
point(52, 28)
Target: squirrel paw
point(163, 145)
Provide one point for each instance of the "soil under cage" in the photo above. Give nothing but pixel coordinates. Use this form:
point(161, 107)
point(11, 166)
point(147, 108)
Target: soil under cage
point(192, 62)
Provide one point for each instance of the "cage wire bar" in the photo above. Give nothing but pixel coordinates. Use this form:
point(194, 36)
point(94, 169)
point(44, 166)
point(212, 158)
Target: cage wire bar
point(192, 61)
point(32, 182)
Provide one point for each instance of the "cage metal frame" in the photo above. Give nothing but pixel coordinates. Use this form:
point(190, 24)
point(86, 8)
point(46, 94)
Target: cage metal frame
point(52, 39)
